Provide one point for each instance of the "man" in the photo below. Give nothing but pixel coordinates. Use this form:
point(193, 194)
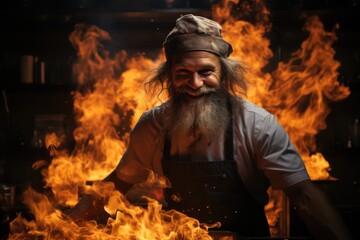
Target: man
point(219, 151)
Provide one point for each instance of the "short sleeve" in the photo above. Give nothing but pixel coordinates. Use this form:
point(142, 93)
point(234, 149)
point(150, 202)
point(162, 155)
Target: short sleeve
point(277, 157)
point(138, 158)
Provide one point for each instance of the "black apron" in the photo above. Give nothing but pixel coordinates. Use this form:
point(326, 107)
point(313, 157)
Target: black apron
point(213, 192)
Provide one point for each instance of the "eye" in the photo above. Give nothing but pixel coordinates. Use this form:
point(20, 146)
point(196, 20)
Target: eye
point(182, 71)
point(206, 72)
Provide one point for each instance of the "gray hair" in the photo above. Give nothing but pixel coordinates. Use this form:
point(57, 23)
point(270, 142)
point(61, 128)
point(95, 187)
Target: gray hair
point(232, 78)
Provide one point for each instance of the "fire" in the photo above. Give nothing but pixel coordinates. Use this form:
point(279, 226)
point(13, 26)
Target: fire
point(128, 221)
point(109, 102)
point(303, 87)
point(111, 99)
point(297, 92)
point(249, 42)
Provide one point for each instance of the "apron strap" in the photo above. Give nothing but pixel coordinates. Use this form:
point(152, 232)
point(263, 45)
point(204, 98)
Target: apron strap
point(229, 141)
point(167, 147)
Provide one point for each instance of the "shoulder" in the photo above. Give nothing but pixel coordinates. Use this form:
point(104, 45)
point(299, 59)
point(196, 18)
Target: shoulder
point(249, 115)
point(253, 110)
point(151, 119)
point(259, 126)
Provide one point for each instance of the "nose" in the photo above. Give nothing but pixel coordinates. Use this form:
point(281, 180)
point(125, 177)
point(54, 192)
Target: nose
point(195, 81)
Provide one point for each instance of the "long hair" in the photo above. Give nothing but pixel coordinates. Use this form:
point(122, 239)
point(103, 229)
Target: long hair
point(232, 78)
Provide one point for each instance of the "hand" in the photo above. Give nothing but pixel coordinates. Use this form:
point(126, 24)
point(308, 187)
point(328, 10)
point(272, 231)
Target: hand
point(320, 216)
point(89, 207)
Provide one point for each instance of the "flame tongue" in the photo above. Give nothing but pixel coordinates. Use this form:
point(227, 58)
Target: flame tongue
point(301, 90)
point(298, 91)
point(129, 221)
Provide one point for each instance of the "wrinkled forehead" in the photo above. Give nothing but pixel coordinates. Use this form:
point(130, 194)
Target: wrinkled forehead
point(195, 59)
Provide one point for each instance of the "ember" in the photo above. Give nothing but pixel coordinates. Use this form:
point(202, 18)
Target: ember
point(110, 101)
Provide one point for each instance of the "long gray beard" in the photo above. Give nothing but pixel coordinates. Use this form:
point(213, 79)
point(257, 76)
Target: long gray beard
point(207, 116)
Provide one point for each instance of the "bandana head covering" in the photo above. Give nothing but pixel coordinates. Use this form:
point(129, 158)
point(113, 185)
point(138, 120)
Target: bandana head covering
point(196, 33)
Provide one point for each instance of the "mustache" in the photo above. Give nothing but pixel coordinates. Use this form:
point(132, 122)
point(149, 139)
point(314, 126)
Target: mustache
point(207, 116)
point(199, 91)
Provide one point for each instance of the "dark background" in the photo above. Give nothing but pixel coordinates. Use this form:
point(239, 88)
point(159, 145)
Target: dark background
point(42, 28)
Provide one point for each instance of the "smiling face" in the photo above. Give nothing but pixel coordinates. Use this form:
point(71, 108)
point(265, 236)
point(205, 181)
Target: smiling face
point(198, 105)
point(195, 73)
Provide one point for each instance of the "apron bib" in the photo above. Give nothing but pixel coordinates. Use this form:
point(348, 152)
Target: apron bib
point(213, 192)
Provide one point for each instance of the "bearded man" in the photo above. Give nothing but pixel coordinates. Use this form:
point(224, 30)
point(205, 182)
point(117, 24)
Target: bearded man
point(219, 151)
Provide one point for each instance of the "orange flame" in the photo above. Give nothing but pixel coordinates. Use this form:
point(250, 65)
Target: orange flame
point(129, 222)
point(303, 87)
point(103, 105)
point(110, 100)
point(297, 92)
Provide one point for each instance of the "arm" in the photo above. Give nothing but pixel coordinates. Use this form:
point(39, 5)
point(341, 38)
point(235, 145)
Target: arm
point(91, 207)
point(320, 217)
point(133, 167)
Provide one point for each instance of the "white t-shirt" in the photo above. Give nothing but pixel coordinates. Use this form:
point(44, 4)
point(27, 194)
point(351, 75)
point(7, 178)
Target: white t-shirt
point(262, 150)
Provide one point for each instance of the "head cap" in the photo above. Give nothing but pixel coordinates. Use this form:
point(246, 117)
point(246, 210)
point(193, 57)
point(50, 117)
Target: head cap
point(196, 33)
